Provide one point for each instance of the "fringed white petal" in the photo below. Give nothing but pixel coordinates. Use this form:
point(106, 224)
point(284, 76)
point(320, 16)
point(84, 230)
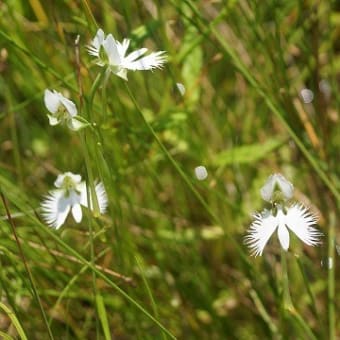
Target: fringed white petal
point(55, 208)
point(260, 232)
point(101, 197)
point(149, 62)
point(94, 48)
point(135, 55)
point(300, 221)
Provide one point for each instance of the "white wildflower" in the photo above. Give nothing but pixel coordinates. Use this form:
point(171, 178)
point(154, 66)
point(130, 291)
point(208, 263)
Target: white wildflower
point(295, 218)
point(112, 54)
point(71, 194)
point(282, 217)
point(62, 110)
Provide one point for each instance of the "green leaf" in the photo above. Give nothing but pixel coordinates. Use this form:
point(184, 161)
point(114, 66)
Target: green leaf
point(247, 154)
point(14, 320)
point(103, 316)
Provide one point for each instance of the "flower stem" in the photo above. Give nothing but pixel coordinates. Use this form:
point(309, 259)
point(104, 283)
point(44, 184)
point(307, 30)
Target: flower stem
point(286, 298)
point(93, 202)
point(288, 309)
point(331, 277)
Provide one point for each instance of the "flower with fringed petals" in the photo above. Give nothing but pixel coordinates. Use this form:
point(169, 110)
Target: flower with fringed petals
point(111, 53)
point(283, 217)
point(70, 195)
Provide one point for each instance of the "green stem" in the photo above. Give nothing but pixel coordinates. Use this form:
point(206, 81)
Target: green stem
point(148, 289)
point(331, 277)
point(287, 304)
point(28, 271)
point(94, 200)
point(100, 274)
point(286, 299)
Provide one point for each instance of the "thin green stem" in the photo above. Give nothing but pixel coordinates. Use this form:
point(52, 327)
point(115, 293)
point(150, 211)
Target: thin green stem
point(308, 286)
point(148, 289)
point(28, 271)
point(287, 304)
point(100, 274)
point(331, 277)
point(286, 299)
point(93, 202)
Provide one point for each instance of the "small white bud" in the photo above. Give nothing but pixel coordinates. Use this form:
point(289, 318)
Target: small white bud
point(201, 173)
point(307, 95)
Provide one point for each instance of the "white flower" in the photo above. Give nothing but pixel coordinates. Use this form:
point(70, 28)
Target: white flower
point(295, 218)
point(62, 110)
point(70, 194)
point(111, 53)
point(277, 181)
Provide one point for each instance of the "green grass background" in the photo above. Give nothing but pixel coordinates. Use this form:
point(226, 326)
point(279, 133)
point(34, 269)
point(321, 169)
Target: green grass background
point(167, 260)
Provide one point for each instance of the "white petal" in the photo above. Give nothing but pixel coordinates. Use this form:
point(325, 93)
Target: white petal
point(60, 179)
point(75, 124)
point(51, 100)
point(77, 213)
point(83, 194)
point(122, 47)
point(134, 55)
point(181, 88)
point(276, 179)
point(286, 187)
point(102, 197)
point(260, 231)
point(153, 60)
point(75, 177)
point(53, 120)
point(69, 105)
point(300, 221)
point(111, 50)
point(283, 235)
point(55, 208)
point(122, 73)
point(97, 41)
point(99, 38)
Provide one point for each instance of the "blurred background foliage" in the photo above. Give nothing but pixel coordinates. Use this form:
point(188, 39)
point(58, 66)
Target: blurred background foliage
point(243, 116)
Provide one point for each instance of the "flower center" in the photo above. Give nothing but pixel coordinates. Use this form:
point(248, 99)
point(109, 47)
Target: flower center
point(69, 185)
point(62, 114)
